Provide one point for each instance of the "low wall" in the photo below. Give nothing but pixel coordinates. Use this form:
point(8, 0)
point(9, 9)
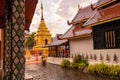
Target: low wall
point(84, 47)
point(57, 60)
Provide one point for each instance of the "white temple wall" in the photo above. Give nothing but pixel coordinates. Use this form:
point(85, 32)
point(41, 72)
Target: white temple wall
point(85, 46)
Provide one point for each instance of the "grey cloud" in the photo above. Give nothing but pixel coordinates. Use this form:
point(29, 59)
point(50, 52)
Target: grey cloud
point(64, 6)
point(63, 10)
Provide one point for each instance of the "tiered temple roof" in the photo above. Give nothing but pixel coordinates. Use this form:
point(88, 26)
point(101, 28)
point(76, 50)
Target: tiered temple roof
point(104, 15)
point(76, 29)
point(92, 15)
point(83, 14)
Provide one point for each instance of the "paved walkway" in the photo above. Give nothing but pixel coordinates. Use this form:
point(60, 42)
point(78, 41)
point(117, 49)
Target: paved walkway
point(55, 72)
point(32, 62)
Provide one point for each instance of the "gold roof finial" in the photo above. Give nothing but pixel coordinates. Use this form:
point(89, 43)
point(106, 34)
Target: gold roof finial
point(92, 7)
point(79, 7)
point(42, 11)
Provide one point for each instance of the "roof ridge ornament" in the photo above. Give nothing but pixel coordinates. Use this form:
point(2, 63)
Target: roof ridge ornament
point(92, 7)
point(79, 7)
point(68, 22)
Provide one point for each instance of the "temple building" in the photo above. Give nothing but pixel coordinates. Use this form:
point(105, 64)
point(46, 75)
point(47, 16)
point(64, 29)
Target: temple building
point(58, 47)
point(95, 32)
point(42, 36)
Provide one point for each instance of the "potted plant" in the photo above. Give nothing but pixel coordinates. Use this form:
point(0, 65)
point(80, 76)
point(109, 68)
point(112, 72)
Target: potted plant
point(44, 61)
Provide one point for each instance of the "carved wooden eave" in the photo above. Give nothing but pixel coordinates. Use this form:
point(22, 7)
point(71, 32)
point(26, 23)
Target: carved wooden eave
point(102, 22)
point(80, 36)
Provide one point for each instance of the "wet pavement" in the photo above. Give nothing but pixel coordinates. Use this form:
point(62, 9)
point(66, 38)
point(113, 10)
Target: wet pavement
point(55, 72)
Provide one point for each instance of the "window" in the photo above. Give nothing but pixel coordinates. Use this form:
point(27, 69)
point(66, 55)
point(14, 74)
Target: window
point(110, 39)
point(46, 41)
point(107, 36)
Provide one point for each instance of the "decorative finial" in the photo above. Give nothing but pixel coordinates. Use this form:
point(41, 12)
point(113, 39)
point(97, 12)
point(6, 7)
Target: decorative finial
point(68, 22)
point(79, 7)
point(42, 11)
point(92, 7)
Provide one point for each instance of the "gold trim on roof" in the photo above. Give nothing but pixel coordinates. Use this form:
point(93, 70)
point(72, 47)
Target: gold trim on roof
point(80, 37)
point(105, 4)
point(102, 22)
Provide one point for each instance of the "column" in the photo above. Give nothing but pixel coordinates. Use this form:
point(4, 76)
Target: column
point(14, 61)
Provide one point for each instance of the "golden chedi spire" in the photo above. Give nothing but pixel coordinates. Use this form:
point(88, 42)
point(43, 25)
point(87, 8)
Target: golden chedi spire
point(42, 12)
point(43, 35)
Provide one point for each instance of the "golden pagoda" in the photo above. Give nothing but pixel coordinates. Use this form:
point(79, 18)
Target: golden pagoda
point(42, 36)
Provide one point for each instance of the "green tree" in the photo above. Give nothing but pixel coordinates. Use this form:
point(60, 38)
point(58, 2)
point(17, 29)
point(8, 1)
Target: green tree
point(29, 43)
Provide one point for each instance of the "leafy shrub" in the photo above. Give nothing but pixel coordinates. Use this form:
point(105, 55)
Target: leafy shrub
point(82, 66)
point(85, 61)
point(115, 71)
point(79, 62)
point(65, 63)
point(104, 69)
point(74, 65)
point(77, 59)
point(99, 69)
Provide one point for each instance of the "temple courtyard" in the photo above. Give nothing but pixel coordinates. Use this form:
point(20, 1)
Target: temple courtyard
point(55, 72)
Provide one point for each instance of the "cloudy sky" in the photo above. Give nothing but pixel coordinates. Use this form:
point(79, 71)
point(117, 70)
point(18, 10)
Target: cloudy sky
point(56, 14)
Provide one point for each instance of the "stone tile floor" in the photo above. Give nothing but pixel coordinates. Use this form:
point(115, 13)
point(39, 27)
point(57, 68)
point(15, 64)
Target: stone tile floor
point(55, 72)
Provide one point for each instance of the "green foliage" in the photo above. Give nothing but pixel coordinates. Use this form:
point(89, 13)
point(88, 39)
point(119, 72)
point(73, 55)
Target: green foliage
point(74, 65)
point(82, 66)
point(30, 41)
point(85, 61)
point(79, 62)
point(77, 59)
point(65, 63)
point(104, 69)
point(115, 71)
point(98, 68)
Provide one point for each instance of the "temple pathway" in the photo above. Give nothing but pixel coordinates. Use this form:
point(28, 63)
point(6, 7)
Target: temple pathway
point(55, 72)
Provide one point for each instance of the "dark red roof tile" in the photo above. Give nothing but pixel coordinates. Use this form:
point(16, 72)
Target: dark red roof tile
point(104, 14)
point(82, 14)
